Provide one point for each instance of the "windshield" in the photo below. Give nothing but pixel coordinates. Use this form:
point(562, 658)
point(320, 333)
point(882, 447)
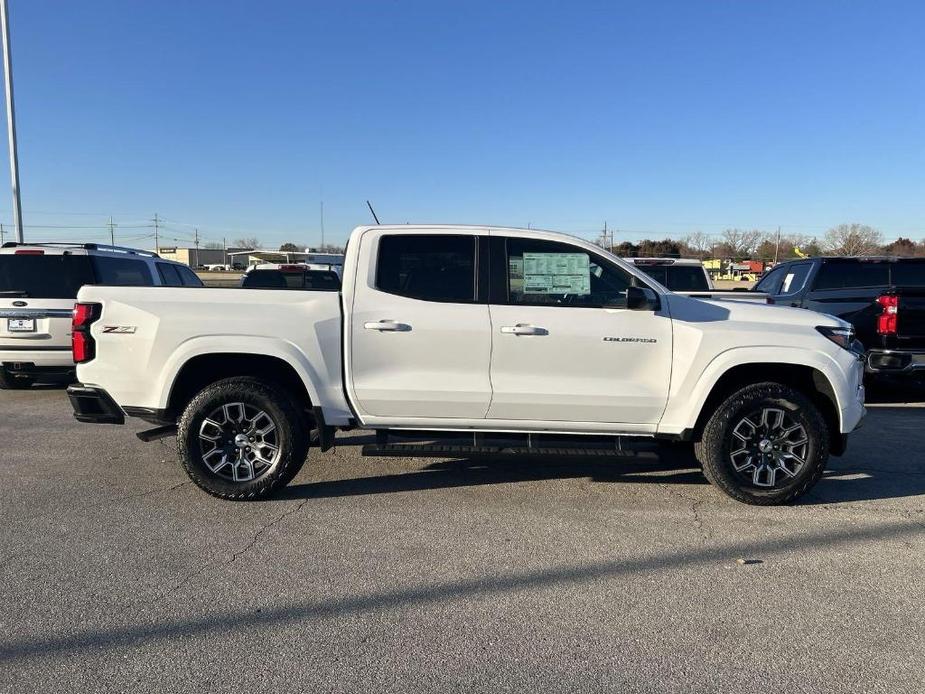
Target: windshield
point(44, 276)
point(678, 278)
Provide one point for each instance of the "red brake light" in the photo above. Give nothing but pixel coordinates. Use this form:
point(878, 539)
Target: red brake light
point(291, 268)
point(28, 252)
point(889, 314)
point(83, 346)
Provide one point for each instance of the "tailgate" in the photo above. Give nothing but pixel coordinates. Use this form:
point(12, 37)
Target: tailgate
point(911, 318)
point(39, 324)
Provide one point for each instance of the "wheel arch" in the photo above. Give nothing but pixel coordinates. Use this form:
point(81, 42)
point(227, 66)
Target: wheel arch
point(808, 380)
point(199, 371)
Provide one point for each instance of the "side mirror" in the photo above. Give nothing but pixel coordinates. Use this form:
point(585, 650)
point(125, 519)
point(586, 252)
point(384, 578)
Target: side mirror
point(642, 299)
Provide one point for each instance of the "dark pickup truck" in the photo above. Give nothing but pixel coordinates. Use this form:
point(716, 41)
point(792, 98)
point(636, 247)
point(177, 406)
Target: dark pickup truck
point(882, 297)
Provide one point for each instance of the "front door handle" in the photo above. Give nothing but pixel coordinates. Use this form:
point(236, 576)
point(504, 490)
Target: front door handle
point(387, 325)
point(523, 329)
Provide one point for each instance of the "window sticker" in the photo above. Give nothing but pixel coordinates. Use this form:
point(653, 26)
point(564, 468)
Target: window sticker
point(786, 286)
point(557, 273)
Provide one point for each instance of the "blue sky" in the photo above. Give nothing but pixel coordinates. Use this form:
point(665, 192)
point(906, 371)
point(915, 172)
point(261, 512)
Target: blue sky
point(660, 117)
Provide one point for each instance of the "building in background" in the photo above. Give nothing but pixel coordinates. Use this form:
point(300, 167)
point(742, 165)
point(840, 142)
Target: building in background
point(198, 257)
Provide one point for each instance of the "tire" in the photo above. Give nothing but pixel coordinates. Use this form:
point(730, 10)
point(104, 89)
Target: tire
point(758, 462)
point(223, 464)
point(10, 382)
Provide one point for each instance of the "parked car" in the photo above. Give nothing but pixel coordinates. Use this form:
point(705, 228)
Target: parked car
point(882, 297)
point(291, 277)
point(688, 276)
point(38, 288)
point(491, 336)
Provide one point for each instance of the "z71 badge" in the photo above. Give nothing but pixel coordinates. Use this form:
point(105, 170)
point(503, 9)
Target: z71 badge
point(119, 329)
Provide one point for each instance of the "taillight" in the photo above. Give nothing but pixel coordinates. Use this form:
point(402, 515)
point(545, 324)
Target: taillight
point(28, 252)
point(889, 314)
point(83, 346)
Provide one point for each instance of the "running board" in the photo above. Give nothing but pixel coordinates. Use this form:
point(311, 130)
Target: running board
point(443, 444)
point(438, 450)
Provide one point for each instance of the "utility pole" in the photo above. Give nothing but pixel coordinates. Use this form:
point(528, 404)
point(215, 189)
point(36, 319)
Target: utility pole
point(157, 246)
point(112, 234)
point(196, 236)
point(224, 252)
point(1, 233)
point(11, 119)
point(322, 226)
point(777, 247)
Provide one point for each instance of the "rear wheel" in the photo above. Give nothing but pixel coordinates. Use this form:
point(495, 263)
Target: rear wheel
point(10, 381)
point(242, 438)
point(765, 444)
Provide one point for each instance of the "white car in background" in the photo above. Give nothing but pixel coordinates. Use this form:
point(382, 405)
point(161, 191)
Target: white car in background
point(38, 288)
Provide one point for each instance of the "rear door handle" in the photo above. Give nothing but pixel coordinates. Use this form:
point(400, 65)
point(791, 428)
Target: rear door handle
point(523, 329)
point(387, 325)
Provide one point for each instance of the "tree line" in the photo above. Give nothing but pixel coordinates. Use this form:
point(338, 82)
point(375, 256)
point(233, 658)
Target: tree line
point(752, 244)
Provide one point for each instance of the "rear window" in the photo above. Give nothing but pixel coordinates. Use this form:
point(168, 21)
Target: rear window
point(846, 275)
point(909, 274)
point(121, 272)
point(678, 278)
point(427, 267)
point(321, 280)
point(44, 276)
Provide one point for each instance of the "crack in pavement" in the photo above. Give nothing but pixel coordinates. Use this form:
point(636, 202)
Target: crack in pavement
point(139, 495)
point(220, 564)
point(695, 505)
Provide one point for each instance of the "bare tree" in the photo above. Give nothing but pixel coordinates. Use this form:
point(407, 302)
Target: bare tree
point(247, 244)
point(699, 243)
point(853, 239)
point(741, 243)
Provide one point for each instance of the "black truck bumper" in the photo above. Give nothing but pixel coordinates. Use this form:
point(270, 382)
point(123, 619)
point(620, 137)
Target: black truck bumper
point(94, 405)
point(895, 361)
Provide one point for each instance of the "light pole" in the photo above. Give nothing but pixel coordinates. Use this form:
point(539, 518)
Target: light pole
point(11, 119)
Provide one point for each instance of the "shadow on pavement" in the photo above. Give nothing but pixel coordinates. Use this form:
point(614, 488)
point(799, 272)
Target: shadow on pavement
point(96, 641)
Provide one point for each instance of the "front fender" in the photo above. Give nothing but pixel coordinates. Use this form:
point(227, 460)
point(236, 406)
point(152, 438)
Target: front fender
point(689, 392)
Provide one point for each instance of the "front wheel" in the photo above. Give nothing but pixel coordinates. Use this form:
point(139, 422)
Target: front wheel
point(242, 438)
point(765, 444)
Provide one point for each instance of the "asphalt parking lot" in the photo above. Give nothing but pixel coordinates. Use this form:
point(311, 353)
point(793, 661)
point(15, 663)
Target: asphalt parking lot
point(545, 575)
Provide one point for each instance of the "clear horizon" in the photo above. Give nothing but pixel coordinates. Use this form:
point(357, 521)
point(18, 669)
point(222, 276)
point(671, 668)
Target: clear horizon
point(661, 119)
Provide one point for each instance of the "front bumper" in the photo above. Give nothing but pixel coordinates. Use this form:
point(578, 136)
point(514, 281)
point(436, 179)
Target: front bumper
point(895, 361)
point(94, 405)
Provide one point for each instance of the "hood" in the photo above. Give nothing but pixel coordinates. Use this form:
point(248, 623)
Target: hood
point(696, 310)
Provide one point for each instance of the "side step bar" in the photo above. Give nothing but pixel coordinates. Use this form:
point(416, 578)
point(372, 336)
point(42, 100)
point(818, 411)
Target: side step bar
point(435, 444)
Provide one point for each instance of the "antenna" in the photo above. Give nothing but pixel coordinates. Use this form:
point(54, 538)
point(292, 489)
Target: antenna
point(372, 211)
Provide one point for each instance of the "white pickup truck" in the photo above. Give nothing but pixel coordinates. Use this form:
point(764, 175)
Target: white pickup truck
point(497, 340)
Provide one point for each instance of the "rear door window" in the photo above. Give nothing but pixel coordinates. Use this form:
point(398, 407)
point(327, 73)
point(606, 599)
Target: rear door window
point(55, 276)
point(430, 267)
point(121, 272)
point(188, 277)
point(851, 274)
point(169, 276)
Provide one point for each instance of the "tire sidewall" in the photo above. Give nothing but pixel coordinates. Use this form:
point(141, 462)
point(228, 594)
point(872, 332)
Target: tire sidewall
point(717, 443)
point(291, 437)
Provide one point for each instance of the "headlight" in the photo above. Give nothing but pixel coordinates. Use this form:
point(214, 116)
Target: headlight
point(843, 337)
